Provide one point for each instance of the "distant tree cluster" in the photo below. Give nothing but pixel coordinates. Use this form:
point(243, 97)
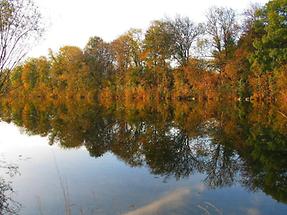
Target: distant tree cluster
point(173, 59)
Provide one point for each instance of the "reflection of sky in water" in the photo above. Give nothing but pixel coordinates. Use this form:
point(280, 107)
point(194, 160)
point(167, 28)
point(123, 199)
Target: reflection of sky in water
point(108, 186)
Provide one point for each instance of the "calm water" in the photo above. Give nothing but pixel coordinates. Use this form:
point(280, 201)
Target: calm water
point(133, 159)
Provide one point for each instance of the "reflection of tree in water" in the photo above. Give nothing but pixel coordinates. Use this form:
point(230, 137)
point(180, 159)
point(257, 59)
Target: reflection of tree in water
point(172, 154)
point(7, 204)
point(222, 162)
point(229, 145)
point(265, 167)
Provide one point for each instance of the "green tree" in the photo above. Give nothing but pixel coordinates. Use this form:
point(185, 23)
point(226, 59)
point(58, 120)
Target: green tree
point(271, 48)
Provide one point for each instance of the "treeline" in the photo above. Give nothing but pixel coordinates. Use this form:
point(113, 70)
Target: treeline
point(173, 59)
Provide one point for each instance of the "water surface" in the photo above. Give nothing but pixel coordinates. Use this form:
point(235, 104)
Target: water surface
point(184, 158)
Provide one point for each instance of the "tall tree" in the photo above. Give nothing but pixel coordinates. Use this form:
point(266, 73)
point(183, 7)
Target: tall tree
point(100, 58)
point(158, 44)
point(127, 49)
point(271, 48)
point(20, 26)
point(184, 33)
point(69, 70)
point(223, 29)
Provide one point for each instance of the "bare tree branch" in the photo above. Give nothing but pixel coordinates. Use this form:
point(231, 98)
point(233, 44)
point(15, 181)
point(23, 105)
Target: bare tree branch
point(20, 27)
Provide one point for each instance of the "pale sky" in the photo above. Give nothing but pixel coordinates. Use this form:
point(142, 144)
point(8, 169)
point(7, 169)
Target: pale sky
point(73, 22)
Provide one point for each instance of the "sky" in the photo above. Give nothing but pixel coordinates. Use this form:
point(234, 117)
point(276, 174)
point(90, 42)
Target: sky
point(73, 22)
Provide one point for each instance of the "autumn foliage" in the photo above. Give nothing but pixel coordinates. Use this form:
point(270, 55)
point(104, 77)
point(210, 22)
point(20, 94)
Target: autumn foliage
point(174, 59)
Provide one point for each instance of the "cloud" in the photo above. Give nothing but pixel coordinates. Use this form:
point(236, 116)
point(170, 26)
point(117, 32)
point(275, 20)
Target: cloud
point(173, 199)
point(252, 211)
point(199, 187)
